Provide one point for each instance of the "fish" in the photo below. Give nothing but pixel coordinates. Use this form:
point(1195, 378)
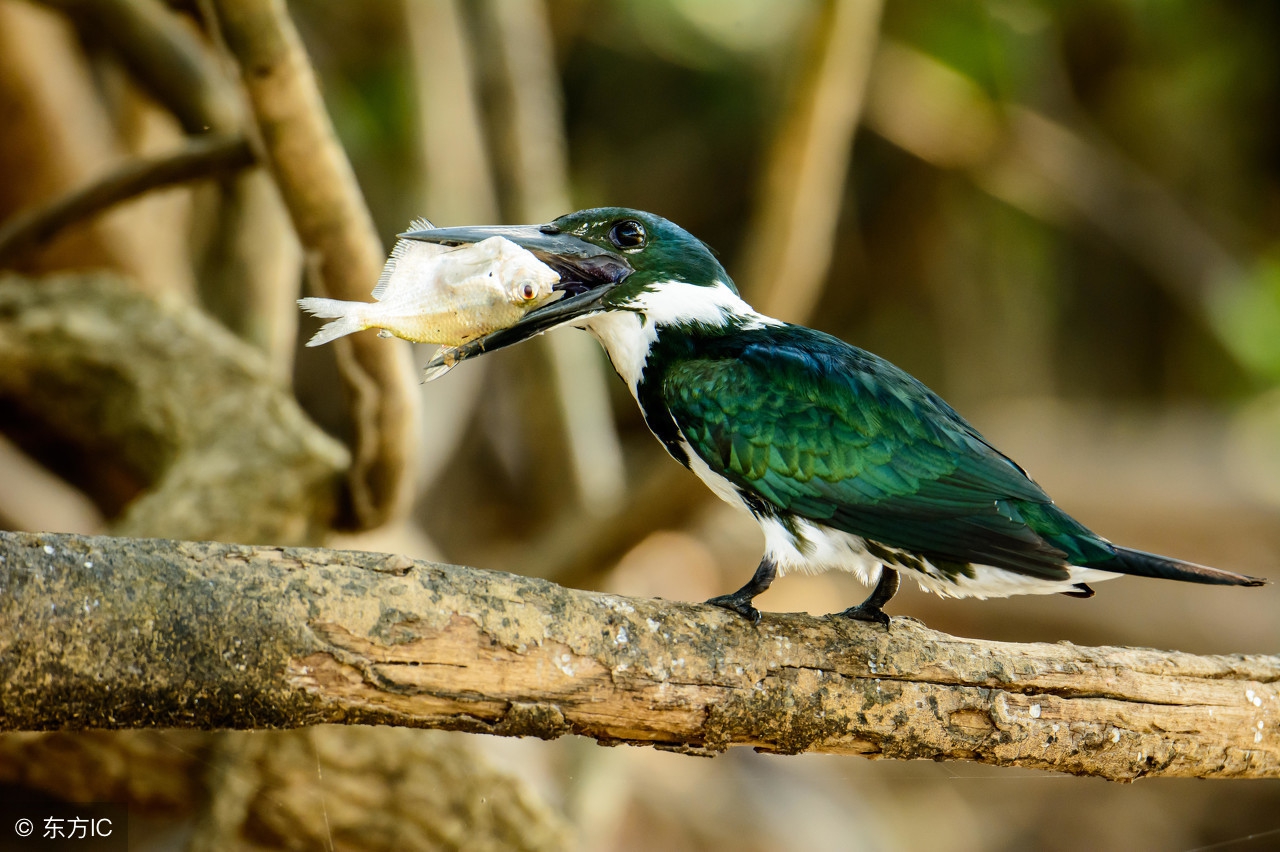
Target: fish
point(430, 293)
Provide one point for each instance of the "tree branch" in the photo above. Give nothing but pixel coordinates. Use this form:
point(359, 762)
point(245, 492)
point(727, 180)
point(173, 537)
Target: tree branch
point(126, 633)
point(203, 157)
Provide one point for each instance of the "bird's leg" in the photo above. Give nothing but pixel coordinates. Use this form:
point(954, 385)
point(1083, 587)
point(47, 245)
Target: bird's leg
point(870, 609)
point(740, 601)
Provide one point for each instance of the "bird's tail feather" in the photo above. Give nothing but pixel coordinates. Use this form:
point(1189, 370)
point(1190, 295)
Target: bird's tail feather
point(348, 319)
point(1142, 564)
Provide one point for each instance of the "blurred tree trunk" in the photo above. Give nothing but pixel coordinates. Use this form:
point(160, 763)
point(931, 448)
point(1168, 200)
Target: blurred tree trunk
point(164, 417)
point(793, 235)
point(335, 227)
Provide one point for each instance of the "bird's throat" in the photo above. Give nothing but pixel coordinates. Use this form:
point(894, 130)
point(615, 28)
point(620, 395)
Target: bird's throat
point(627, 339)
point(628, 333)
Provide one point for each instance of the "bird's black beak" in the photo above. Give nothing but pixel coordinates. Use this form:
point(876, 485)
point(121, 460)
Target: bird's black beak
point(587, 272)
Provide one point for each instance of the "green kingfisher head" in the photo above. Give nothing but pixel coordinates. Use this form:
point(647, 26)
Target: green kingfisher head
point(610, 260)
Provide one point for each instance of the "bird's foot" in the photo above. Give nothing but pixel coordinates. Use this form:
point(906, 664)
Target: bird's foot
point(870, 609)
point(863, 612)
point(738, 603)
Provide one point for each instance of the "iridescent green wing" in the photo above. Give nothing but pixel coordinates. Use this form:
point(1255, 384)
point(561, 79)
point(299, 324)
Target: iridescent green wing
point(835, 435)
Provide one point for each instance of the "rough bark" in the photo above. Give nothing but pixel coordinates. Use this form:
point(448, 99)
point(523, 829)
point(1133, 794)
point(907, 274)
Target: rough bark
point(132, 633)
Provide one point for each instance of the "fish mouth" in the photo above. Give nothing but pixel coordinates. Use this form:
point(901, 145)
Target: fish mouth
point(587, 272)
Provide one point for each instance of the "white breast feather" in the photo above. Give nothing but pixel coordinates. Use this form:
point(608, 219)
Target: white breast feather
point(626, 338)
point(627, 335)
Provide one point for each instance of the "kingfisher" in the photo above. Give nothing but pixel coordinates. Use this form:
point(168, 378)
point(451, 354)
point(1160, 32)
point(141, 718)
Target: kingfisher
point(844, 460)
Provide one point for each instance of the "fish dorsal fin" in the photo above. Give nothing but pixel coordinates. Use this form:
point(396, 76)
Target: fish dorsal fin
point(389, 268)
point(401, 246)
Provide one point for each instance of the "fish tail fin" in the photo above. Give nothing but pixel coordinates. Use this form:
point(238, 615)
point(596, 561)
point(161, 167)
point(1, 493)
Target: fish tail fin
point(347, 318)
point(1142, 564)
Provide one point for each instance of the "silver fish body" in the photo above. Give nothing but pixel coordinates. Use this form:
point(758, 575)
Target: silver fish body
point(430, 293)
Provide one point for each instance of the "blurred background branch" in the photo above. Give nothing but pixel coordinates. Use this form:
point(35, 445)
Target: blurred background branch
point(219, 451)
point(457, 187)
point(202, 158)
point(164, 56)
point(791, 242)
point(1054, 173)
point(335, 228)
point(248, 277)
point(535, 151)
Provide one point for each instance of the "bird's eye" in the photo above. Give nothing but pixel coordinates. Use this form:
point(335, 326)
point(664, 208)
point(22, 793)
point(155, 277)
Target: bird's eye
point(527, 291)
point(627, 234)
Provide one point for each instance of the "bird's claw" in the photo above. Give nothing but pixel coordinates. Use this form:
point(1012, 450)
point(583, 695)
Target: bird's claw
point(870, 609)
point(738, 605)
point(872, 614)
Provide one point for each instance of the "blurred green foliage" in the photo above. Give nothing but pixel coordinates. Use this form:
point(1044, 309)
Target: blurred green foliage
point(1248, 314)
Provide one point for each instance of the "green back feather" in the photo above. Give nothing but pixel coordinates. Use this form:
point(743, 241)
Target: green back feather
point(837, 435)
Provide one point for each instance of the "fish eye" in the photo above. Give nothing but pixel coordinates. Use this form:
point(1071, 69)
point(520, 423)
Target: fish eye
point(627, 234)
point(527, 291)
